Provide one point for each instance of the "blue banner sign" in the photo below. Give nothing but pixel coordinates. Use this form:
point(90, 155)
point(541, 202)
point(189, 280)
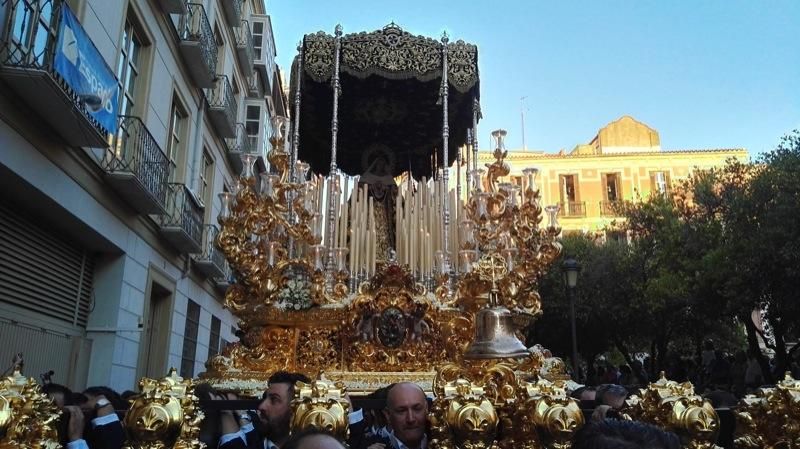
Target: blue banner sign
point(86, 72)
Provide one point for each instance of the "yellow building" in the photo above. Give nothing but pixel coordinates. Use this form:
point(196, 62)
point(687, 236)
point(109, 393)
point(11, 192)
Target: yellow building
point(624, 161)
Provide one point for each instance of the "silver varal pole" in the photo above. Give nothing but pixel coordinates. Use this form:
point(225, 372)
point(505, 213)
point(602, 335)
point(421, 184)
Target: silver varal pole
point(333, 176)
point(476, 110)
point(295, 139)
point(445, 146)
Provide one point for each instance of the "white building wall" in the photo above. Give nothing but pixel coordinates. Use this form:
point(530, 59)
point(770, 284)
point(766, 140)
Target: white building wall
point(121, 277)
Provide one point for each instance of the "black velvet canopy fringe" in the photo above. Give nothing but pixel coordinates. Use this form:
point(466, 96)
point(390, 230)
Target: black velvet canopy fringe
point(390, 113)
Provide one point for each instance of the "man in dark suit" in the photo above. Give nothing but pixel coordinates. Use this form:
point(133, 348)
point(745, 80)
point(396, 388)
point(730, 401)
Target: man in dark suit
point(407, 415)
point(270, 430)
point(105, 431)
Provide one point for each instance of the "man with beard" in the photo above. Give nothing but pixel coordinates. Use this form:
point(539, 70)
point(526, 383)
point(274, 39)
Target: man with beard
point(274, 414)
point(271, 428)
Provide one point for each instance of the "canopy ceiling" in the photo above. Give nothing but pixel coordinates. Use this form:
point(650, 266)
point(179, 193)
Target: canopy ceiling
point(390, 113)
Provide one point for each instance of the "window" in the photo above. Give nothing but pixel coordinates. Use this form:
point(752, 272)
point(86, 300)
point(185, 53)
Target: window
point(30, 29)
point(612, 187)
point(568, 188)
point(258, 37)
point(659, 182)
point(220, 41)
point(214, 340)
point(190, 339)
point(128, 67)
point(176, 140)
point(252, 125)
point(206, 178)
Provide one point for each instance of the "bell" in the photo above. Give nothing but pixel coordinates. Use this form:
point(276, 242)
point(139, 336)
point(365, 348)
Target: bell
point(494, 336)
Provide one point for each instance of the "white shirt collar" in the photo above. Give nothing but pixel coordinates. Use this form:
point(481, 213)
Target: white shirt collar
point(268, 444)
point(397, 444)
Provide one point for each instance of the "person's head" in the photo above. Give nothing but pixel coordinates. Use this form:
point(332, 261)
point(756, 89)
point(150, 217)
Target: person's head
point(275, 409)
point(407, 412)
point(59, 394)
point(584, 393)
point(611, 395)
point(313, 439)
point(617, 434)
point(95, 393)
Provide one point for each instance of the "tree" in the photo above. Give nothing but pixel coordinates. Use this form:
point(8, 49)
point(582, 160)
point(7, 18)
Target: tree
point(760, 213)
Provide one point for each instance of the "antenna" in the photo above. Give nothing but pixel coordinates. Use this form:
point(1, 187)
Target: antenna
point(522, 114)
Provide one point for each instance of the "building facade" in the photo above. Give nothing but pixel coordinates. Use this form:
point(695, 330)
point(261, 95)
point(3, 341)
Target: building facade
point(624, 161)
point(120, 123)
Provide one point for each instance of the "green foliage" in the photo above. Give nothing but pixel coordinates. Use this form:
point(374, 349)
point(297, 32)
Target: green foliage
point(725, 242)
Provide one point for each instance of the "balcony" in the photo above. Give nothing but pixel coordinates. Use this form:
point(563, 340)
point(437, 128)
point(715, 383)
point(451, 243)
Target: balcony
point(237, 146)
point(244, 47)
point(182, 225)
point(223, 282)
point(261, 27)
point(137, 168)
point(35, 69)
point(222, 107)
point(573, 209)
point(610, 208)
point(173, 6)
point(255, 85)
point(211, 261)
point(232, 9)
point(198, 47)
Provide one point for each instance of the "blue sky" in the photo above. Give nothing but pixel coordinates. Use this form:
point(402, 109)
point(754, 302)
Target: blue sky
point(704, 73)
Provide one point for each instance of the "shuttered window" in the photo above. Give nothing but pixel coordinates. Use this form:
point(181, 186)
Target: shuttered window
point(213, 338)
point(190, 339)
point(42, 273)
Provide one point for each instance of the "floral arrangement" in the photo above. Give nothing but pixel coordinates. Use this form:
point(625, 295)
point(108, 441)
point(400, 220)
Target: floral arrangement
point(296, 295)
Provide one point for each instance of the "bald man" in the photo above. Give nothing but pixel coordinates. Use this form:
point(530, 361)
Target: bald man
point(407, 415)
point(313, 439)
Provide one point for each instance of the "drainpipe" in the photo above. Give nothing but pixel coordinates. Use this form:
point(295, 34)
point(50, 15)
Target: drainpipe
point(197, 141)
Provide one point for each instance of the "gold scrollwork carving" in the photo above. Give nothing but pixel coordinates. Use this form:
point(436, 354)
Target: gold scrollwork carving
point(321, 405)
point(769, 419)
point(674, 406)
point(27, 416)
point(164, 415)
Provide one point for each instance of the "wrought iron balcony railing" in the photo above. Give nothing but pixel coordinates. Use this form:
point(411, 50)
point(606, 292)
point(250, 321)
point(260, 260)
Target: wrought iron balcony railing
point(137, 167)
point(237, 146)
point(198, 45)
point(573, 209)
point(610, 208)
point(222, 107)
point(182, 225)
point(29, 35)
point(244, 47)
point(211, 261)
point(223, 282)
point(255, 85)
point(232, 10)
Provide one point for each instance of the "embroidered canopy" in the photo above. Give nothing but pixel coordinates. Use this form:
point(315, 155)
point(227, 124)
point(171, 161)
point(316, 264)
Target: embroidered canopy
point(390, 108)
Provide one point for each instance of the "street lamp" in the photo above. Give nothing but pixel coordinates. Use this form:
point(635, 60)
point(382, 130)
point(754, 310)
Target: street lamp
point(570, 268)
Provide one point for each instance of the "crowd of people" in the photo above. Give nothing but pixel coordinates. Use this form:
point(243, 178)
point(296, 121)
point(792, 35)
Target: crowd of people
point(398, 421)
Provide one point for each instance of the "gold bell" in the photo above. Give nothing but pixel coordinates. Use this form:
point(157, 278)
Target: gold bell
point(494, 336)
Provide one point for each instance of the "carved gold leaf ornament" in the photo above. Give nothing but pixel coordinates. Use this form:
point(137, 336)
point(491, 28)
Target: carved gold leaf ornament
point(769, 419)
point(321, 404)
point(27, 416)
point(164, 414)
point(675, 407)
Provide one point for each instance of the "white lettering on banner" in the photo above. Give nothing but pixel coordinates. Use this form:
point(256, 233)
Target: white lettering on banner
point(96, 85)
